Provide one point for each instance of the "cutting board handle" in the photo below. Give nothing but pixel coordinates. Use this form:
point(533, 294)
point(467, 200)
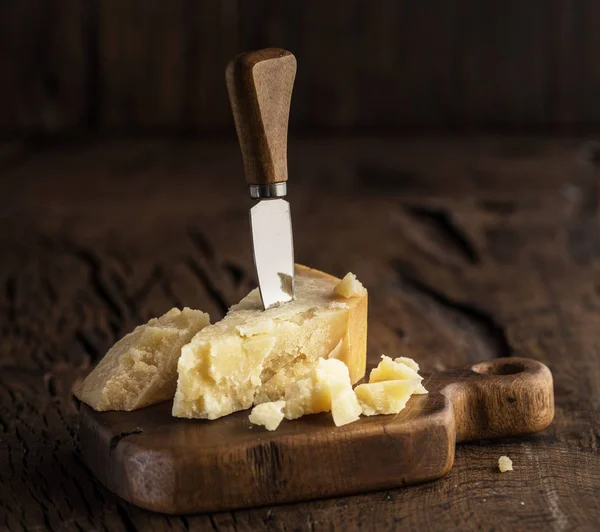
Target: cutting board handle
point(260, 91)
point(497, 398)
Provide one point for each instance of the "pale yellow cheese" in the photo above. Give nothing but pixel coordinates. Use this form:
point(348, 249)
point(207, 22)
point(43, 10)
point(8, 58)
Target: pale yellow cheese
point(398, 369)
point(345, 407)
point(141, 368)
point(385, 397)
point(269, 414)
point(252, 355)
point(505, 464)
point(350, 286)
point(409, 362)
point(326, 388)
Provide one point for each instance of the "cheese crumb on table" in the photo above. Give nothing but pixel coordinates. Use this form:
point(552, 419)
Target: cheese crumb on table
point(398, 369)
point(385, 397)
point(505, 464)
point(267, 414)
point(350, 286)
point(326, 388)
point(252, 355)
point(141, 368)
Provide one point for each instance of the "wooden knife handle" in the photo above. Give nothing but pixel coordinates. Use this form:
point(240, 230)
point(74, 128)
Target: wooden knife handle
point(260, 90)
point(497, 398)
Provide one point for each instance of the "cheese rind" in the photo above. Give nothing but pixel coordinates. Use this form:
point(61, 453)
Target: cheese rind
point(141, 368)
point(252, 355)
point(326, 388)
point(269, 415)
point(398, 369)
point(385, 397)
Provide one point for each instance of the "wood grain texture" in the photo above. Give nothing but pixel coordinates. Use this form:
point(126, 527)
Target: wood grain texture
point(132, 65)
point(177, 466)
point(260, 86)
point(43, 68)
point(180, 467)
point(473, 258)
point(497, 398)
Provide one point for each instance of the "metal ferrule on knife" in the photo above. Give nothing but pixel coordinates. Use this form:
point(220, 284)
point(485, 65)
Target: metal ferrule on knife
point(268, 191)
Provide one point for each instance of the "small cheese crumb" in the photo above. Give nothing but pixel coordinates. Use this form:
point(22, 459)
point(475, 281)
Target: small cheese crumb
point(267, 414)
point(505, 464)
point(350, 286)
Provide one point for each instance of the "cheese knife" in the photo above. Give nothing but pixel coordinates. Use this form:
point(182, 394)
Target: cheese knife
point(260, 87)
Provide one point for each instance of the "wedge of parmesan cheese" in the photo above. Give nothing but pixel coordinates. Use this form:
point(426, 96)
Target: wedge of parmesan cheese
point(253, 355)
point(141, 368)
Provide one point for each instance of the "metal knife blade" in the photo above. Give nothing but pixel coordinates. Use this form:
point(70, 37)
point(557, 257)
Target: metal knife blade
point(273, 247)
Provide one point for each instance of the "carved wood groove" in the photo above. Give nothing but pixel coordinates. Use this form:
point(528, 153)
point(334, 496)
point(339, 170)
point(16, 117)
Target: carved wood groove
point(492, 333)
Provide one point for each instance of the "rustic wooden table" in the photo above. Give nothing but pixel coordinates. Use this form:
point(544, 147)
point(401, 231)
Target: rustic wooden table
point(471, 249)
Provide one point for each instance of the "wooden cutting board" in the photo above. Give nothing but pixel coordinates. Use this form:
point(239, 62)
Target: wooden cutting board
point(181, 466)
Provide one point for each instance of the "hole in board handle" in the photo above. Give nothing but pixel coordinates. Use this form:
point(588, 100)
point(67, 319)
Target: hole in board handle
point(499, 367)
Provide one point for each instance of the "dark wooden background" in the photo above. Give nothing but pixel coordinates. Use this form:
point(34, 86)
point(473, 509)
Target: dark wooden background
point(149, 65)
point(116, 203)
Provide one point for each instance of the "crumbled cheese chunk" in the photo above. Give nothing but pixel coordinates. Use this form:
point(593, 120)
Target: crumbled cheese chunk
point(409, 362)
point(267, 414)
point(505, 464)
point(326, 388)
point(385, 397)
point(350, 286)
point(398, 369)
